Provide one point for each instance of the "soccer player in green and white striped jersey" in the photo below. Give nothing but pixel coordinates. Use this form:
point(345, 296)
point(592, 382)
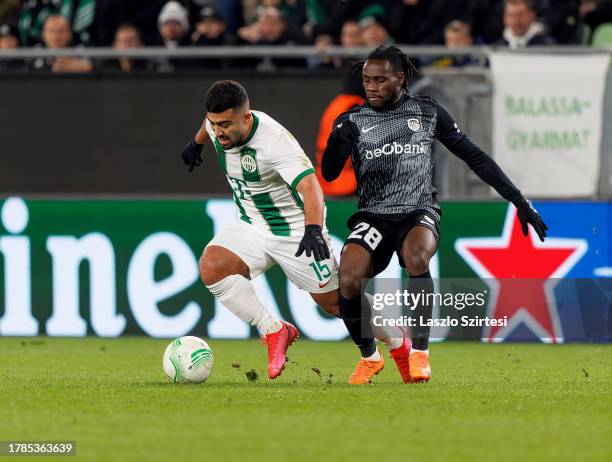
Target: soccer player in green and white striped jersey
point(281, 216)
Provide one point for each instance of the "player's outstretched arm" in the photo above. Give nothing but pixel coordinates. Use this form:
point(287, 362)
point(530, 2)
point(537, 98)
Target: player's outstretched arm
point(487, 170)
point(341, 143)
point(192, 152)
point(313, 242)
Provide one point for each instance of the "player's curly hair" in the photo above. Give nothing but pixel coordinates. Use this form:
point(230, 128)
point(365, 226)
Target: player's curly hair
point(224, 95)
point(398, 59)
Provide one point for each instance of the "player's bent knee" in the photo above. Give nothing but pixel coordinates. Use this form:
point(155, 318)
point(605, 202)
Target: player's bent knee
point(328, 301)
point(215, 264)
point(350, 284)
point(417, 262)
point(210, 270)
point(332, 309)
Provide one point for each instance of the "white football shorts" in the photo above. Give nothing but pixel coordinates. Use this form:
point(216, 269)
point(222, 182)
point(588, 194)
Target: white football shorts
point(261, 250)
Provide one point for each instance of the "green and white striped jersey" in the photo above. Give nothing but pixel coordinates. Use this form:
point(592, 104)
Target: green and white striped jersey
point(263, 173)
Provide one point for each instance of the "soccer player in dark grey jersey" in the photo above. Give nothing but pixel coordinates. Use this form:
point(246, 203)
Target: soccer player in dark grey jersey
point(390, 140)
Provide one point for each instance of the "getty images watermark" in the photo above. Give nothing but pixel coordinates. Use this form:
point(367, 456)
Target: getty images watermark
point(553, 310)
point(382, 303)
point(456, 307)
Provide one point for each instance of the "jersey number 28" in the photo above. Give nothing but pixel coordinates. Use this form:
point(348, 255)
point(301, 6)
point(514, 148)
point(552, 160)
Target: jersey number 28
point(372, 237)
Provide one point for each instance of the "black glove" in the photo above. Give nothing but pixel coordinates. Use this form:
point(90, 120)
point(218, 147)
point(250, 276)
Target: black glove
point(313, 243)
point(344, 136)
point(192, 155)
point(528, 215)
point(341, 143)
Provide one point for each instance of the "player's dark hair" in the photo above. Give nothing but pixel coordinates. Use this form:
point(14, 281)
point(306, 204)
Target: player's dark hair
point(224, 95)
point(398, 59)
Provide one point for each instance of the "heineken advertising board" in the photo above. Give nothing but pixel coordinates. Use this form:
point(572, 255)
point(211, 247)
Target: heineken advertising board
point(125, 267)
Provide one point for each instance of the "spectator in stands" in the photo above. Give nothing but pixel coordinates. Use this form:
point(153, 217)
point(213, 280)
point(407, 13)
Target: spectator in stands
point(560, 17)
point(350, 37)
point(230, 11)
point(79, 13)
point(128, 37)
point(457, 34)
point(294, 11)
point(173, 23)
point(8, 37)
point(322, 43)
point(372, 28)
point(271, 29)
point(521, 28)
point(142, 14)
point(210, 30)
point(32, 18)
point(9, 40)
point(57, 34)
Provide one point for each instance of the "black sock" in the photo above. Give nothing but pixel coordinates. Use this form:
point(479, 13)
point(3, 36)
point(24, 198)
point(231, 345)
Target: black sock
point(422, 284)
point(361, 332)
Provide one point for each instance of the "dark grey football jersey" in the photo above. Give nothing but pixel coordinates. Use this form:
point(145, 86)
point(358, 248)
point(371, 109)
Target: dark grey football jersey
point(394, 165)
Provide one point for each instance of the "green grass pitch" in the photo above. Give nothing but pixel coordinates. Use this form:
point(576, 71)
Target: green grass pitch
point(511, 402)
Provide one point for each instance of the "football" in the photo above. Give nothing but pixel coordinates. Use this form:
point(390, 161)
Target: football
point(188, 360)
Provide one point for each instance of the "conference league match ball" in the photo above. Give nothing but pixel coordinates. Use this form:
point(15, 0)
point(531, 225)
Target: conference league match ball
point(188, 360)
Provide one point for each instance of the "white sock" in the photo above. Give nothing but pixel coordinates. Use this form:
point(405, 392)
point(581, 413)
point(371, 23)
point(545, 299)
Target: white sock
point(392, 337)
point(414, 350)
point(394, 343)
point(236, 293)
point(374, 357)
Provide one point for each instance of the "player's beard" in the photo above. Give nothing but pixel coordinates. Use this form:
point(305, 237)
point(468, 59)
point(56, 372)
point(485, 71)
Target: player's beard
point(381, 103)
point(234, 139)
point(225, 139)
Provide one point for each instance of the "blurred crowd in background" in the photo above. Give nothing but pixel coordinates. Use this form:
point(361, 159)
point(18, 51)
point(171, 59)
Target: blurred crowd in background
point(124, 24)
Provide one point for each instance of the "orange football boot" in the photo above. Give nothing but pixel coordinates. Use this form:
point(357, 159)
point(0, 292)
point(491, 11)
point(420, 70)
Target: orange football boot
point(365, 370)
point(420, 370)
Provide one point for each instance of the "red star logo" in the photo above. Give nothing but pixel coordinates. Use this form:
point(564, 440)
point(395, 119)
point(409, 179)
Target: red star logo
point(520, 272)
